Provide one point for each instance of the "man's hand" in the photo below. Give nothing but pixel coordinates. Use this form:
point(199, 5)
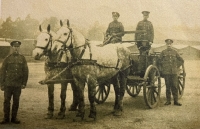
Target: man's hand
point(2, 88)
point(23, 86)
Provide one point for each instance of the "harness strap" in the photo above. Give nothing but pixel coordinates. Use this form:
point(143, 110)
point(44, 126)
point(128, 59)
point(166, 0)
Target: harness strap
point(89, 50)
point(117, 64)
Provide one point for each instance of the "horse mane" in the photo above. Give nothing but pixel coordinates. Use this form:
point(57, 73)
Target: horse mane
point(79, 38)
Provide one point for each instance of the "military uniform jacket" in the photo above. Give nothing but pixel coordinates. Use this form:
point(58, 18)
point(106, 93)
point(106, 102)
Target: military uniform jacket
point(14, 71)
point(148, 27)
point(170, 60)
point(117, 28)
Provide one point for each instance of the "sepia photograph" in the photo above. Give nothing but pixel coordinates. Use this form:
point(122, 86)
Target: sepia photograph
point(99, 64)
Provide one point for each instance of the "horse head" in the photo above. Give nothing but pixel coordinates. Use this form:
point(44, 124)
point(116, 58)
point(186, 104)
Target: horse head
point(68, 38)
point(44, 43)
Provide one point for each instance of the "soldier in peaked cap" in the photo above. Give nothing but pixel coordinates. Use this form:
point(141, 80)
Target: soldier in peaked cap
point(144, 39)
point(15, 43)
point(170, 61)
point(146, 28)
point(115, 30)
point(14, 76)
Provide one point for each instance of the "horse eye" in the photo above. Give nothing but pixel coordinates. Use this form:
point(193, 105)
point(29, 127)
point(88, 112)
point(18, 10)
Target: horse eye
point(65, 33)
point(46, 39)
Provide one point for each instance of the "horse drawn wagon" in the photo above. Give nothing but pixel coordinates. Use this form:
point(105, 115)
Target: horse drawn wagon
point(150, 80)
point(100, 73)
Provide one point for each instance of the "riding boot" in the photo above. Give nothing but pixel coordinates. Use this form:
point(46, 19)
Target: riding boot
point(141, 65)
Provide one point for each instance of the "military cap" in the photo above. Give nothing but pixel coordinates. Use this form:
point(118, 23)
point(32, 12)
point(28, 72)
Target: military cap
point(15, 43)
point(169, 41)
point(146, 13)
point(115, 13)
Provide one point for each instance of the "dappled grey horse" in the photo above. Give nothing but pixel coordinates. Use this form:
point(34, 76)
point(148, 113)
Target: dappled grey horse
point(92, 65)
point(43, 47)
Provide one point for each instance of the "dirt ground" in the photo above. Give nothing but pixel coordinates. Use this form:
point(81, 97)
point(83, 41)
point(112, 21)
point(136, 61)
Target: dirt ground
point(136, 115)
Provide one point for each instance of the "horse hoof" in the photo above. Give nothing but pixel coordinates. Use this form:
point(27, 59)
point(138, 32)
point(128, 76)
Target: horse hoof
point(80, 114)
point(73, 107)
point(60, 116)
point(117, 113)
point(92, 115)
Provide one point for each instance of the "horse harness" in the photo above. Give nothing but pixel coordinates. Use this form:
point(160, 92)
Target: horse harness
point(79, 61)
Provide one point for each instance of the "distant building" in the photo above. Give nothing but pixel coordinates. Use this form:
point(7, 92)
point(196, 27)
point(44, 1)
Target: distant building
point(186, 51)
point(5, 49)
point(195, 52)
point(27, 46)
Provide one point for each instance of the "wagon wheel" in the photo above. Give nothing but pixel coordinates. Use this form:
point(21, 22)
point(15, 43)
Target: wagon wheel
point(181, 81)
point(133, 89)
point(152, 86)
point(102, 92)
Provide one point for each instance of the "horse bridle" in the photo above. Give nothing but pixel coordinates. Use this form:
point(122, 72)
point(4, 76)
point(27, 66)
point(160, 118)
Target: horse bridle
point(46, 47)
point(64, 42)
point(70, 47)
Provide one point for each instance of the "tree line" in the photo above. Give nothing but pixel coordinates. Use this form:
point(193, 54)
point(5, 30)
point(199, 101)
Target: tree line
point(28, 28)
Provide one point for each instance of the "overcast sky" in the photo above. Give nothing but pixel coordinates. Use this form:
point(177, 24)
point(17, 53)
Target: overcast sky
point(164, 13)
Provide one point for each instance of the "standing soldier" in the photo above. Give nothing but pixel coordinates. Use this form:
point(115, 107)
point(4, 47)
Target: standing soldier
point(170, 61)
point(144, 39)
point(115, 30)
point(14, 76)
point(147, 32)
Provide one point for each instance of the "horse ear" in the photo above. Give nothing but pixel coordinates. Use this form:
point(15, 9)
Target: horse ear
point(61, 24)
point(40, 28)
point(68, 23)
point(48, 28)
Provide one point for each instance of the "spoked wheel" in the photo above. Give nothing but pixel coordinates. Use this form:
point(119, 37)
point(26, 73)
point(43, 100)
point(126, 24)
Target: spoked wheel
point(152, 86)
point(134, 85)
point(133, 90)
point(102, 92)
point(181, 81)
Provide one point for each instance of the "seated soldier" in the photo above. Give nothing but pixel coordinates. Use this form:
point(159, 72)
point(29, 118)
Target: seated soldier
point(115, 30)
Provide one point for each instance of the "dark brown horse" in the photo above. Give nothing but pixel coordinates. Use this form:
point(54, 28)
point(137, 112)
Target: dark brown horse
point(43, 47)
point(94, 65)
